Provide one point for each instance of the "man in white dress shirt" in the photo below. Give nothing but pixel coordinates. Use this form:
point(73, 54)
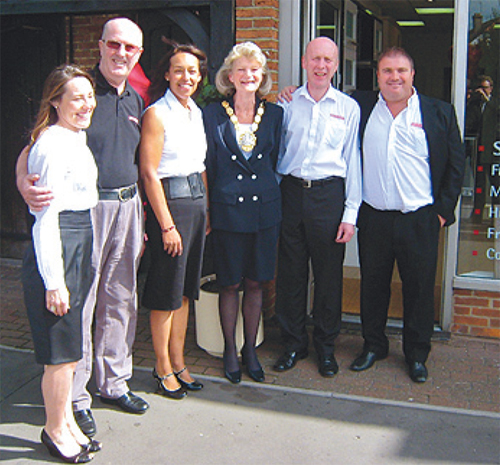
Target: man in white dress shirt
point(321, 194)
point(413, 164)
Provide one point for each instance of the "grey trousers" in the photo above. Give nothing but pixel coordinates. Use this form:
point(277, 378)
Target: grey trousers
point(112, 301)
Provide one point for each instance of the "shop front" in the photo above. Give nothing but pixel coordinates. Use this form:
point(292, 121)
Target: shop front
point(455, 46)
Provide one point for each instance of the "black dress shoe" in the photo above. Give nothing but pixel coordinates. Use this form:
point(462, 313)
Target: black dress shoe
point(418, 372)
point(86, 422)
point(258, 374)
point(129, 403)
point(192, 386)
point(82, 457)
point(328, 366)
point(233, 376)
point(288, 360)
point(365, 361)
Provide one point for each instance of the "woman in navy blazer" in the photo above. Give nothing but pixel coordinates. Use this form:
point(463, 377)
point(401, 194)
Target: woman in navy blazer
point(243, 137)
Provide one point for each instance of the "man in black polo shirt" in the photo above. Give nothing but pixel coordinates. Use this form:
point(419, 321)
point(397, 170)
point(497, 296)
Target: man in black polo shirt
point(113, 138)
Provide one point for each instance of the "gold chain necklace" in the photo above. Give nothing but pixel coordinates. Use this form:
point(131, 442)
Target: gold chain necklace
point(248, 139)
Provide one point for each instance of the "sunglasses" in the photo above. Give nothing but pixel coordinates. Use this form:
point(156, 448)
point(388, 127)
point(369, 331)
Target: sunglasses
point(129, 48)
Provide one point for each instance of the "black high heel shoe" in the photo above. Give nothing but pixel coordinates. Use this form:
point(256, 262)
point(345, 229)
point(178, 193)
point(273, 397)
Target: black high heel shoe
point(92, 446)
point(233, 376)
point(82, 457)
point(177, 394)
point(256, 375)
point(193, 386)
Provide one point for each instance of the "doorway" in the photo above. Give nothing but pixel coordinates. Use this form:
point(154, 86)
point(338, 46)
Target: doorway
point(362, 29)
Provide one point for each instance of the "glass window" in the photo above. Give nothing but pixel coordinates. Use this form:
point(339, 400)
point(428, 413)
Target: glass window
point(479, 233)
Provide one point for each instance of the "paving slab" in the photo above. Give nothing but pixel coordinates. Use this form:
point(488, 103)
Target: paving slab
point(250, 423)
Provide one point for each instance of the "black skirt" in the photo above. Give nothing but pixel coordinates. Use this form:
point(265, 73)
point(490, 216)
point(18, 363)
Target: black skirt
point(58, 339)
point(245, 255)
point(172, 278)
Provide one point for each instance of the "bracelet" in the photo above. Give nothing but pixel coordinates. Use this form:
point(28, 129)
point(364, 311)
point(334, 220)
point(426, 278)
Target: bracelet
point(170, 228)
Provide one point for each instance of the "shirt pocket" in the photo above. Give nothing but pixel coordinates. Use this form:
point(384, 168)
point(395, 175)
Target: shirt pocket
point(418, 141)
point(335, 132)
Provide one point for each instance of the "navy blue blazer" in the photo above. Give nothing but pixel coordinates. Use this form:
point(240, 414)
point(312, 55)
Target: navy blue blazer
point(446, 149)
point(244, 194)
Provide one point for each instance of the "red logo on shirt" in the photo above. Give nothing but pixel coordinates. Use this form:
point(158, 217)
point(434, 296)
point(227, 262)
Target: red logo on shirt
point(133, 119)
point(337, 116)
point(417, 125)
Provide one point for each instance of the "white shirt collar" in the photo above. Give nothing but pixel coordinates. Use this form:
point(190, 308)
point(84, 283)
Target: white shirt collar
point(330, 94)
point(413, 100)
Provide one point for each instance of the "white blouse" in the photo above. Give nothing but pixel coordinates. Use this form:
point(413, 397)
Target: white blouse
point(67, 167)
point(185, 143)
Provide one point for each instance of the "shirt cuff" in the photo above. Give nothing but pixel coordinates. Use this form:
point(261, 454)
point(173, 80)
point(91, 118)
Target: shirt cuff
point(350, 216)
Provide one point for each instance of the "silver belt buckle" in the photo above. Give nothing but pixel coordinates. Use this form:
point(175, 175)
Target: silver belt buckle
point(122, 192)
point(306, 183)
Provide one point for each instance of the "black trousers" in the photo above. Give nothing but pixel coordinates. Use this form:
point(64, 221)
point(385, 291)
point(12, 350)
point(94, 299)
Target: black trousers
point(311, 217)
point(411, 240)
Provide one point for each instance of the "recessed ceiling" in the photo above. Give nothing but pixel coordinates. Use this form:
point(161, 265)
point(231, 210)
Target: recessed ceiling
point(404, 10)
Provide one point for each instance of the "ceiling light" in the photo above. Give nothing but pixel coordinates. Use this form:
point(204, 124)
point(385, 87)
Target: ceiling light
point(434, 11)
point(410, 23)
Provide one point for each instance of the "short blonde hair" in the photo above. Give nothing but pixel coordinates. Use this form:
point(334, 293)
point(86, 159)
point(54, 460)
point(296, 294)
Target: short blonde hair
point(252, 52)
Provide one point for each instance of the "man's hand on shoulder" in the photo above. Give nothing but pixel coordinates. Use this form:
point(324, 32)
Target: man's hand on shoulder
point(286, 94)
point(37, 198)
point(344, 233)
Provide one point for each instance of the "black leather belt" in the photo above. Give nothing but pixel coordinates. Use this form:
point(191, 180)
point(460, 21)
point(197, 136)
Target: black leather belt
point(184, 187)
point(123, 194)
point(307, 184)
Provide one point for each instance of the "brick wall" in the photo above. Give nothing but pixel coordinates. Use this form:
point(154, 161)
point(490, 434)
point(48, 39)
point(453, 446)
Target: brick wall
point(86, 34)
point(476, 313)
point(258, 21)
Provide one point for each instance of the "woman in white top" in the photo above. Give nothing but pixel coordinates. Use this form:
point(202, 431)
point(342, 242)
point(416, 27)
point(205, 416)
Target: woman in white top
point(172, 156)
point(57, 276)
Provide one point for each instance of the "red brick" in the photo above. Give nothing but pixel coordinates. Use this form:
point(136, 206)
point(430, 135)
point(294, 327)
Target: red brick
point(257, 13)
point(472, 301)
point(459, 310)
point(471, 321)
point(492, 313)
point(251, 34)
point(243, 24)
point(265, 23)
point(243, 3)
point(489, 294)
point(485, 332)
point(462, 292)
point(271, 3)
point(460, 329)
point(495, 322)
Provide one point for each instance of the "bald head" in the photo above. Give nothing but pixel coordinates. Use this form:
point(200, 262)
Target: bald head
point(126, 27)
point(323, 43)
point(320, 62)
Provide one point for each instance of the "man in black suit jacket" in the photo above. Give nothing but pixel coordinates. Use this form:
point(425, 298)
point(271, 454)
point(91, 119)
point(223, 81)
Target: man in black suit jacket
point(413, 164)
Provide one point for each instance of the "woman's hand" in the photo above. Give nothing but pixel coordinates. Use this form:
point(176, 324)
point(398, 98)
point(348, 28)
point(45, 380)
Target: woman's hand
point(172, 242)
point(208, 228)
point(57, 301)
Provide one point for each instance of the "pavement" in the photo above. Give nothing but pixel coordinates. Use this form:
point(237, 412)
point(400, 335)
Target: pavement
point(375, 417)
